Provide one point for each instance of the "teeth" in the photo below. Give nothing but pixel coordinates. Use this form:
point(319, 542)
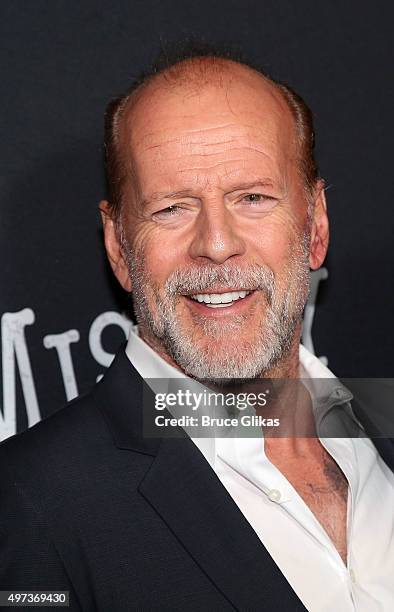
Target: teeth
point(220, 299)
point(219, 305)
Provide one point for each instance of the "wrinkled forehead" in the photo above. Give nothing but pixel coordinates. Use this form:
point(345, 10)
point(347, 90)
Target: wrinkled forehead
point(179, 120)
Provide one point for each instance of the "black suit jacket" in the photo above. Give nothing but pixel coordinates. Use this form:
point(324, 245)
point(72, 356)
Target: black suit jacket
point(124, 522)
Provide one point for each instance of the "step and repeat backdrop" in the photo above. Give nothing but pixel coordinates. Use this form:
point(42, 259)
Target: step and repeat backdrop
point(63, 317)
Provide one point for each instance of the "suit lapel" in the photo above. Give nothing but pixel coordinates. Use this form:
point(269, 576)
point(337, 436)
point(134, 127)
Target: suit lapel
point(188, 496)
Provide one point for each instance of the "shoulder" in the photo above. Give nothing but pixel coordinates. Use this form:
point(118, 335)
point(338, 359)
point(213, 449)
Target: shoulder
point(66, 437)
point(68, 453)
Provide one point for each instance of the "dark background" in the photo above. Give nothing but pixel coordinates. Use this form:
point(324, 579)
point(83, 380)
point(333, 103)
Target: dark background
point(61, 61)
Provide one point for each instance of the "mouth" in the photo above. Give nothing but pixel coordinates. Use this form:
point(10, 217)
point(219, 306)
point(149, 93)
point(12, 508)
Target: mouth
point(223, 299)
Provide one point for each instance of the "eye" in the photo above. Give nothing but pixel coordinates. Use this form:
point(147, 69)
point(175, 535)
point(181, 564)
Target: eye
point(258, 201)
point(167, 213)
point(256, 197)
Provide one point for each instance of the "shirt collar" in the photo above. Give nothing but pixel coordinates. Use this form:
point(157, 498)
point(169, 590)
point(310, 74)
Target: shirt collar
point(157, 373)
point(146, 361)
point(324, 387)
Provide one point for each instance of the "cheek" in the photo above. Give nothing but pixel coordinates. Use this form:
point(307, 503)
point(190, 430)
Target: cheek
point(162, 252)
point(274, 242)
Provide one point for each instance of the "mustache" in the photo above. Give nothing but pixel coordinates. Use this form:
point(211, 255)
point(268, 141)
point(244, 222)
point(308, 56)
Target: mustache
point(198, 280)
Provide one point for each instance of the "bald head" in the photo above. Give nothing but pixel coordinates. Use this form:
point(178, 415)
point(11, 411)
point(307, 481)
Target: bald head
point(219, 88)
point(227, 86)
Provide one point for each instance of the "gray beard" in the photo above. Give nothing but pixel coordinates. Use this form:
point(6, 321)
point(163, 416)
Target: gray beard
point(197, 358)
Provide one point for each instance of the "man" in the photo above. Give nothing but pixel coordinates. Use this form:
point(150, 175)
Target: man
point(214, 218)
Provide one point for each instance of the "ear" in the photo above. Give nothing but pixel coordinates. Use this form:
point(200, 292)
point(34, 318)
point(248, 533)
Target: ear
point(112, 246)
point(320, 228)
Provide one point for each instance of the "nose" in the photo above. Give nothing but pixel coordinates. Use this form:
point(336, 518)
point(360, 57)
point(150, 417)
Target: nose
point(216, 237)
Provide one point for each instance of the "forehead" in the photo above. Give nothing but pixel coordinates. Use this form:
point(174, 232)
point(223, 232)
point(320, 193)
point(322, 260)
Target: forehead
point(234, 123)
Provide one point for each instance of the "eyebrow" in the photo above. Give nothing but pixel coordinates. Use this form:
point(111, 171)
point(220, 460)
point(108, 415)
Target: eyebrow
point(164, 195)
point(258, 183)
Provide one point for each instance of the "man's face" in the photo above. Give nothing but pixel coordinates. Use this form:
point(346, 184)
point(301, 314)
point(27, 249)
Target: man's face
point(215, 226)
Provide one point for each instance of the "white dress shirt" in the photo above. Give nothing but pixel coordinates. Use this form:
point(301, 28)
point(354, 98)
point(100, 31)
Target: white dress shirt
point(281, 519)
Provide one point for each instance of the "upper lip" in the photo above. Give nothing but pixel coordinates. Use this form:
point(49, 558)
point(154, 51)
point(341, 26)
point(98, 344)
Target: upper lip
point(216, 291)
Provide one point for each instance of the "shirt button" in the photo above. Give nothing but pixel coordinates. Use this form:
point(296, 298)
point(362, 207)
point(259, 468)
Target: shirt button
point(274, 495)
point(352, 576)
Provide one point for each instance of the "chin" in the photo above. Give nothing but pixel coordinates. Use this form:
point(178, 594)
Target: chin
point(225, 359)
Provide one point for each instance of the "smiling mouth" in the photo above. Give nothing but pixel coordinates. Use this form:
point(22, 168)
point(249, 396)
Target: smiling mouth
point(220, 300)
